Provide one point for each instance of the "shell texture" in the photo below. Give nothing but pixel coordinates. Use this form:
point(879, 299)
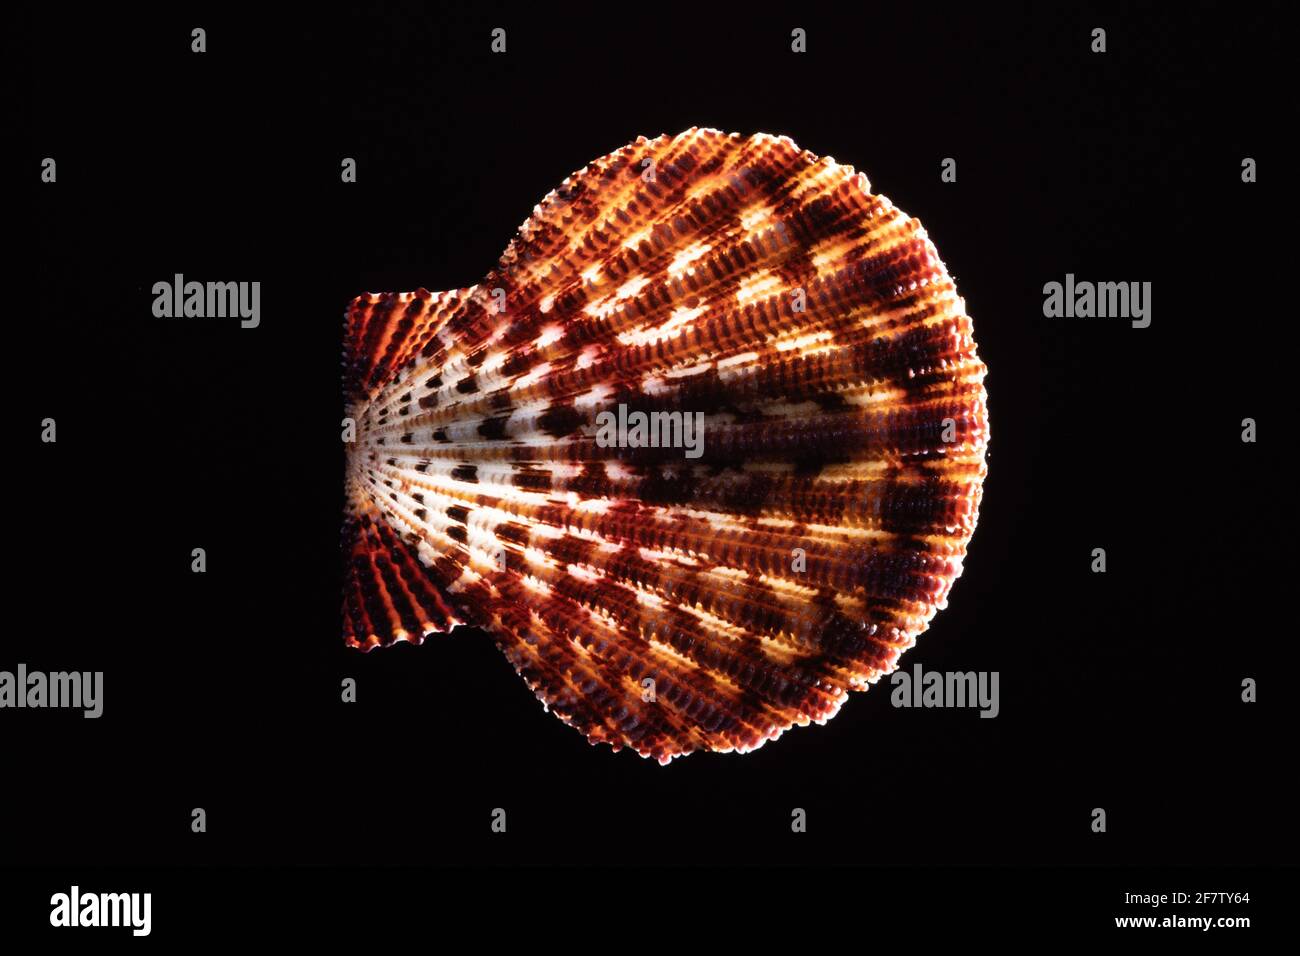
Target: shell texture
point(658, 595)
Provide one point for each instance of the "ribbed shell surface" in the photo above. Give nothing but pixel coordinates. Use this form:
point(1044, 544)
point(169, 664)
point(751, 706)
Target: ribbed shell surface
point(674, 598)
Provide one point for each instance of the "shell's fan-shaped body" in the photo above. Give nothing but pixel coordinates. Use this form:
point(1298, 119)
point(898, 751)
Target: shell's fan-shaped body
point(702, 454)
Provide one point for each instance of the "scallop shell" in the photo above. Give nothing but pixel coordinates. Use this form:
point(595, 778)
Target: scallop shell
point(673, 599)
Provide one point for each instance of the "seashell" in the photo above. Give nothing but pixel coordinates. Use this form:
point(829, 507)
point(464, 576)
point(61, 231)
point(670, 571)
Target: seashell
point(667, 588)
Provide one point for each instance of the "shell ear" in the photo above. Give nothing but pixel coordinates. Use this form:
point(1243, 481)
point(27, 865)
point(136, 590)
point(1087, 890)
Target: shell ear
point(389, 593)
point(392, 591)
point(382, 332)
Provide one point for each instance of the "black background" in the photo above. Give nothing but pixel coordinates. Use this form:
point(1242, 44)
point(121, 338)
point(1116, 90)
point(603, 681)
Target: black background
point(1119, 690)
